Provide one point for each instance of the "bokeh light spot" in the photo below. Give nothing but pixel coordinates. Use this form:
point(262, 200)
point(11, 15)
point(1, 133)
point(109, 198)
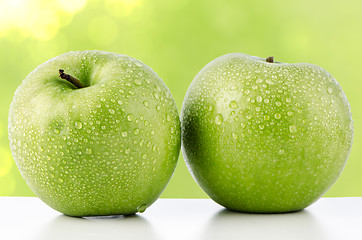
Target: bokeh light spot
point(7, 185)
point(72, 6)
point(46, 25)
point(36, 18)
point(103, 30)
point(6, 161)
point(122, 7)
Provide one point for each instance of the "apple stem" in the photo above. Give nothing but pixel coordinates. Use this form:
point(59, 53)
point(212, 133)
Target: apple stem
point(70, 79)
point(270, 59)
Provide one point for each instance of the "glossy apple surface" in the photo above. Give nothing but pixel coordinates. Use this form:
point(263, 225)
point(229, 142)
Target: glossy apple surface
point(109, 147)
point(265, 136)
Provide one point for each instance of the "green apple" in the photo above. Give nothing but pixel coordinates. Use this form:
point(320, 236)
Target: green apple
point(265, 136)
point(101, 139)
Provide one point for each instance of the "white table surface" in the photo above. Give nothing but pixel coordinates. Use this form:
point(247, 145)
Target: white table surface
point(187, 219)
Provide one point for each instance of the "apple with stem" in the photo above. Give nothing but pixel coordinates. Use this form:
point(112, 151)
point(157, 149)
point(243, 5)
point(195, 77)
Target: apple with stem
point(265, 136)
point(101, 138)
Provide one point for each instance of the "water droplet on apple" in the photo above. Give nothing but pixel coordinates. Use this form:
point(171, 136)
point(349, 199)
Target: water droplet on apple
point(288, 100)
point(315, 117)
point(233, 88)
point(277, 116)
point(261, 127)
point(292, 128)
point(124, 134)
point(158, 107)
point(56, 131)
point(242, 125)
point(136, 131)
point(60, 180)
point(111, 111)
point(281, 151)
point(138, 63)
point(78, 125)
point(289, 113)
point(235, 136)
point(102, 99)
point(144, 156)
point(266, 117)
point(156, 95)
point(127, 151)
point(266, 100)
point(270, 82)
point(145, 103)
point(330, 90)
point(103, 127)
point(88, 151)
point(278, 103)
point(233, 104)
point(120, 102)
point(154, 148)
point(218, 119)
point(350, 126)
point(137, 82)
point(130, 117)
point(142, 208)
point(259, 99)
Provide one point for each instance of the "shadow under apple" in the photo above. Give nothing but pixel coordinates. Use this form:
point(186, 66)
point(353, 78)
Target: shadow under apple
point(110, 227)
point(234, 225)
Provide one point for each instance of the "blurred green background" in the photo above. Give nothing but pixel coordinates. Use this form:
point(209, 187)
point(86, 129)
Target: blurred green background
point(177, 38)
